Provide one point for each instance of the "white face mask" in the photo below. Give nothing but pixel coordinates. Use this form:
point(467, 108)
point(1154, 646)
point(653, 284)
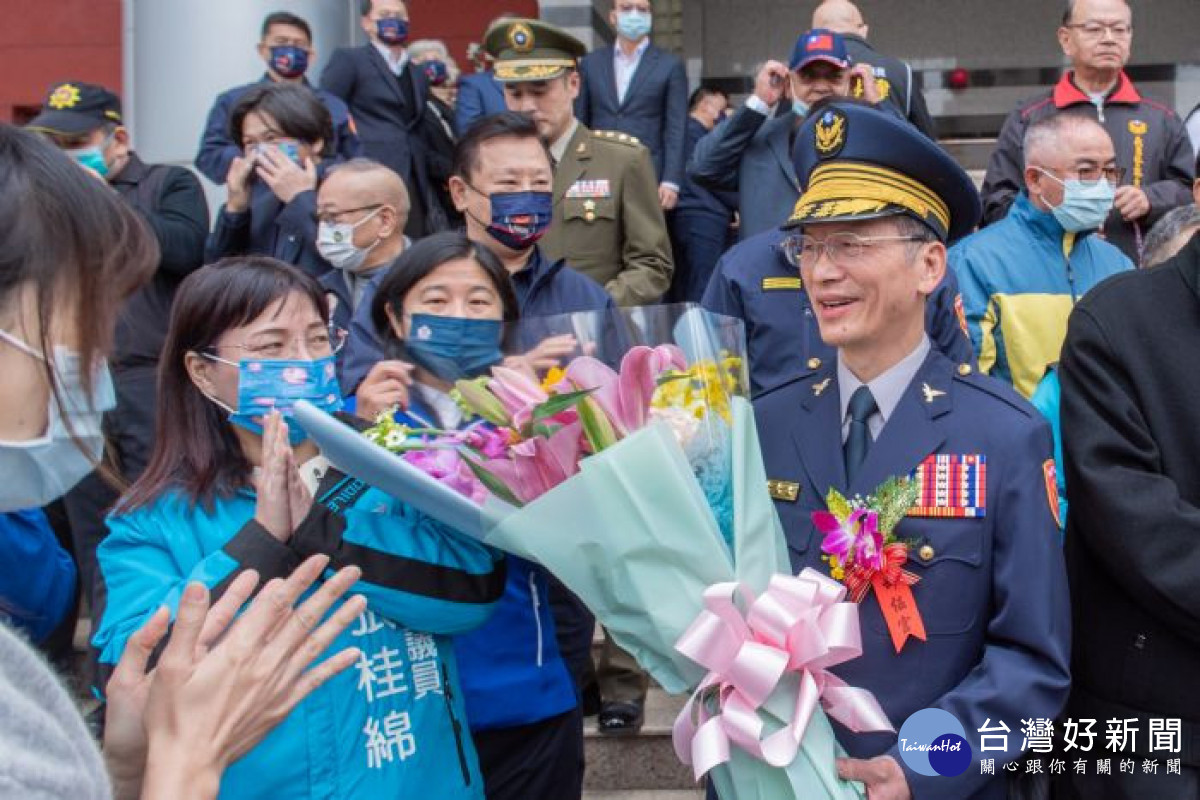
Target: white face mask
point(41, 470)
point(335, 243)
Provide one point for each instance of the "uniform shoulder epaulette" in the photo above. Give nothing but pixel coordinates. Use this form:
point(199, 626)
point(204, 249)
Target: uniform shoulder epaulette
point(618, 137)
point(968, 375)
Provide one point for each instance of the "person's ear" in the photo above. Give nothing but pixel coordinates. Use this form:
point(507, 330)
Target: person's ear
point(198, 369)
point(573, 83)
point(388, 222)
point(1064, 41)
point(264, 52)
point(395, 322)
point(1033, 181)
point(932, 261)
point(458, 192)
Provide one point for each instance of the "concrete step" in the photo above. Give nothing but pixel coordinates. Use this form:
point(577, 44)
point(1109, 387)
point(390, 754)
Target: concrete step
point(645, 762)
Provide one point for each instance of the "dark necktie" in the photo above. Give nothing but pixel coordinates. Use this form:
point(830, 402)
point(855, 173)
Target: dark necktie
point(858, 442)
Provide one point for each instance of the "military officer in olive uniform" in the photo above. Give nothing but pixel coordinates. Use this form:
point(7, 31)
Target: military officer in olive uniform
point(988, 640)
point(607, 222)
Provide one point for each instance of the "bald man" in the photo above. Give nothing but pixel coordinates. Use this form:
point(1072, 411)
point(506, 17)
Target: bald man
point(362, 209)
point(893, 77)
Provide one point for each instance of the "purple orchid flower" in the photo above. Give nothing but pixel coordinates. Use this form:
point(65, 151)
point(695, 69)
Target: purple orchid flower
point(839, 536)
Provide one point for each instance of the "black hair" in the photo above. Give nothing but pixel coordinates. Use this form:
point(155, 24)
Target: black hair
point(702, 93)
point(285, 18)
point(296, 109)
point(497, 126)
point(196, 451)
point(417, 263)
point(365, 6)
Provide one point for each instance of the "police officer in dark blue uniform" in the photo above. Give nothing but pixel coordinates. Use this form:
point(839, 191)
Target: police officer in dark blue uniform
point(756, 282)
point(992, 643)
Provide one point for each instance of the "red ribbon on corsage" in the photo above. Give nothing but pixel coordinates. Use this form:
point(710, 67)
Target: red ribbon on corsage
point(800, 624)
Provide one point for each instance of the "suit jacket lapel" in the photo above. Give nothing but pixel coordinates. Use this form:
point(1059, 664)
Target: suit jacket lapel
point(608, 75)
point(913, 431)
point(818, 434)
point(574, 163)
point(390, 78)
point(642, 74)
point(777, 140)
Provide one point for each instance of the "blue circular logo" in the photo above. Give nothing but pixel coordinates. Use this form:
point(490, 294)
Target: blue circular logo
point(932, 742)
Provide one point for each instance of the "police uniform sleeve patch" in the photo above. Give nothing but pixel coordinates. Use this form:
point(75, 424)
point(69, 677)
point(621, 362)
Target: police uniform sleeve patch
point(960, 314)
point(1050, 472)
point(951, 485)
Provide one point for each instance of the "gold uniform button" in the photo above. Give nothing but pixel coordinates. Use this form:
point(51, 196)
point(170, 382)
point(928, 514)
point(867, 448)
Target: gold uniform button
point(964, 369)
point(814, 363)
point(926, 552)
point(589, 216)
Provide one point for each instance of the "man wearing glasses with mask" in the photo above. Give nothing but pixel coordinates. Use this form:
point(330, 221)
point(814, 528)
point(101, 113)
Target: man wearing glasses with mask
point(1021, 277)
point(1150, 140)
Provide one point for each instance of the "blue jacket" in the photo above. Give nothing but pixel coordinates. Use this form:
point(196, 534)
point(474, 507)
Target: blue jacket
point(1047, 398)
point(37, 577)
point(479, 95)
point(695, 198)
point(217, 149)
point(543, 289)
point(270, 227)
point(993, 587)
point(393, 726)
point(754, 283)
point(750, 154)
point(654, 109)
point(1020, 278)
point(511, 668)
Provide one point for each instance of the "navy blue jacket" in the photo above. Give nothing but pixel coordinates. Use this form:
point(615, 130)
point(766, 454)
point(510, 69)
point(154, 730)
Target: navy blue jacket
point(754, 283)
point(992, 591)
point(37, 577)
point(479, 95)
point(217, 149)
point(287, 231)
point(654, 109)
point(543, 289)
point(692, 196)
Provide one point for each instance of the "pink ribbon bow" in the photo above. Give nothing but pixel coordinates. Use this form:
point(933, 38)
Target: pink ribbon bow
point(800, 624)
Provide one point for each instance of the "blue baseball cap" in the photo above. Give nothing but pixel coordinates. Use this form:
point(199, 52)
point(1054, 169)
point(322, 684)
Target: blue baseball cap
point(820, 44)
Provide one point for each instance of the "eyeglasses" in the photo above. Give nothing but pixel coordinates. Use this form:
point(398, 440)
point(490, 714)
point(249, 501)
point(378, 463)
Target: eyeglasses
point(317, 343)
point(1095, 30)
point(842, 248)
point(333, 218)
point(1091, 175)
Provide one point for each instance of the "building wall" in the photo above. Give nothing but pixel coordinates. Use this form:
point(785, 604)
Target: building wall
point(43, 43)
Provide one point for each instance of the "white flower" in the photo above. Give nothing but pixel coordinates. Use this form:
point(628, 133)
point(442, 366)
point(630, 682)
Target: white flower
point(683, 424)
point(395, 438)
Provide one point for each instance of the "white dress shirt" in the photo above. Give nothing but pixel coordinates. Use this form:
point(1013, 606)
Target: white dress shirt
point(624, 66)
point(395, 63)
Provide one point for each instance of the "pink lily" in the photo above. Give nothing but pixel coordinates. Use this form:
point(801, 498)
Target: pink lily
point(625, 397)
point(539, 464)
point(515, 390)
point(447, 467)
point(487, 440)
point(839, 536)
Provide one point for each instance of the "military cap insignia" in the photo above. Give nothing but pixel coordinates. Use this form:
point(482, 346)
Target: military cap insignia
point(520, 37)
point(1138, 128)
point(831, 132)
point(64, 96)
point(1050, 471)
point(951, 485)
point(783, 490)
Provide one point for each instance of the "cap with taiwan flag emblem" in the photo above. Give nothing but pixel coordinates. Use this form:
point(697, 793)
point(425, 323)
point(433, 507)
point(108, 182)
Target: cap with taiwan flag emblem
point(820, 44)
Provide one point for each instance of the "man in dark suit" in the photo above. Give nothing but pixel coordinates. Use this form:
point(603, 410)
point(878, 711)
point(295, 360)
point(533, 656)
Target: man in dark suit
point(286, 47)
point(387, 97)
point(479, 94)
point(1130, 440)
point(639, 89)
point(963, 606)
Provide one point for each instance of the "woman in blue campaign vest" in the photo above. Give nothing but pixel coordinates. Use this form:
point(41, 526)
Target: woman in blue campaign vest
point(229, 489)
point(441, 312)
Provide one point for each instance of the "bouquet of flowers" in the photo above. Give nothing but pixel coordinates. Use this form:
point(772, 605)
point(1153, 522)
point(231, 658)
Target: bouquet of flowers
point(641, 487)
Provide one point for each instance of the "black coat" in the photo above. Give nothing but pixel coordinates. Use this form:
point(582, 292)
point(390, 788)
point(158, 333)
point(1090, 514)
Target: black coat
point(1130, 401)
point(388, 112)
point(896, 81)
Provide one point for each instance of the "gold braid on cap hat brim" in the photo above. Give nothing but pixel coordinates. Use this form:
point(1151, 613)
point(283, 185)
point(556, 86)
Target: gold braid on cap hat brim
point(541, 69)
point(846, 189)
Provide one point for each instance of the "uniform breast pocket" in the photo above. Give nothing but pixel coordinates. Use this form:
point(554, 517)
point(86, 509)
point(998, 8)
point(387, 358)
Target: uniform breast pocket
point(948, 556)
point(589, 210)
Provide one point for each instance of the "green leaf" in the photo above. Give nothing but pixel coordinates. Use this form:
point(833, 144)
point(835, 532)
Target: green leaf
point(893, 500)
point(492, 482)
point(596, 425)
point(558, 404)
point(838, 506)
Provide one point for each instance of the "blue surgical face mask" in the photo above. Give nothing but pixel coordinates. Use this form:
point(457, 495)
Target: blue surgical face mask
point(1085, 206)
point(93, 157)
point(799, 107)
point(519, 219)
point(453, 348)
point(275, 384)
point(289, 61)
point(39, 471)
point(392, 30)
point(633, 25)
